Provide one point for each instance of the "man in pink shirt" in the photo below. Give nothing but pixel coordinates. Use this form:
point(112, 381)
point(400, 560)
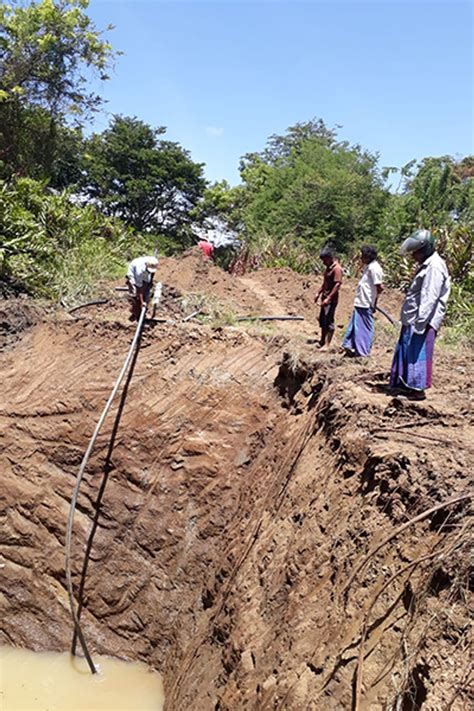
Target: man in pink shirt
point(207, 248)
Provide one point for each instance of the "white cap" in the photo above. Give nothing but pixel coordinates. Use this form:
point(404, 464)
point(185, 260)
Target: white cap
point(151, 264)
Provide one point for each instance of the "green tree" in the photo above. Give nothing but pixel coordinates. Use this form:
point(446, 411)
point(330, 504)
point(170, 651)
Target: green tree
point(150, 183)
point(49, 51)
point(439, 193)
point(307, 188)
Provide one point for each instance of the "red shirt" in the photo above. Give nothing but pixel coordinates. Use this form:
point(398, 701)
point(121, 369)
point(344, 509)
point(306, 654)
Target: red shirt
point(207, 248)
point(332, 276)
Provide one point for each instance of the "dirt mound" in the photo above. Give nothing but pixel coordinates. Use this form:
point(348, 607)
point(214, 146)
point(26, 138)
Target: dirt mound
point(275, 532)
point(191, 282)
point(17, 314)
point(192, 273)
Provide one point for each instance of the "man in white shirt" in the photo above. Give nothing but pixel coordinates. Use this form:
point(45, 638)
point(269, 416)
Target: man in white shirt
point(139, 280)
point(360, 331)
point(422, 315)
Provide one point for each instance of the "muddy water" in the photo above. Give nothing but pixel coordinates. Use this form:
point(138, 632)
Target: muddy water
point(49, 681)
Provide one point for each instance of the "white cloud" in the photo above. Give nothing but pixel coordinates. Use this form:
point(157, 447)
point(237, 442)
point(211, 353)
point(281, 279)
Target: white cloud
point(214, 131)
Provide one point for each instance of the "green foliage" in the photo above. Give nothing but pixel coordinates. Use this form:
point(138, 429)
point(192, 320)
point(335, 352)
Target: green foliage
point(34, 145)
point(437, 194)
point(219, 200)
point(307, 188)
point(46, 49)
point(49, 51)
point(150, 183)
point(55, 247)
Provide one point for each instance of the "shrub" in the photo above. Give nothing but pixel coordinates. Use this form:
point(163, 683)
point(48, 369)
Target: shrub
point(55, 247)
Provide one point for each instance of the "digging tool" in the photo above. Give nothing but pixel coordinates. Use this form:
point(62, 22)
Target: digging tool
point(387, 315)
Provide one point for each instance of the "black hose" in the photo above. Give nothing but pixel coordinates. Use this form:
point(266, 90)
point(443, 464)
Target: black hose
point(89, 303)
point(270, 318)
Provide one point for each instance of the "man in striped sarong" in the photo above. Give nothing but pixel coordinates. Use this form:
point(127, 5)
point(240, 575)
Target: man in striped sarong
point(422, 315)
point(360, 331)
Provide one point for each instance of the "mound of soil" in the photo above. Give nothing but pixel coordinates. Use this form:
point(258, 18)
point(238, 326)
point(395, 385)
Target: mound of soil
point(17, 314)
point(276, 531)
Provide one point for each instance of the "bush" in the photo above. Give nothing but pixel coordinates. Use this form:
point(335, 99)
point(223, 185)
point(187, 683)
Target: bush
point(55, 247)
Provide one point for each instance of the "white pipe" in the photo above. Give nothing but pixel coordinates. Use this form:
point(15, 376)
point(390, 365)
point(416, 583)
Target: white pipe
point(75, 493)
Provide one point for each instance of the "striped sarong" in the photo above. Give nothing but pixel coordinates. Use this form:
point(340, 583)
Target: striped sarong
point(413, 359)
point(360, 332)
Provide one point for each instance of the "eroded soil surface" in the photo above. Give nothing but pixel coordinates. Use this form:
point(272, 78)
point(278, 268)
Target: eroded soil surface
point(256, 541)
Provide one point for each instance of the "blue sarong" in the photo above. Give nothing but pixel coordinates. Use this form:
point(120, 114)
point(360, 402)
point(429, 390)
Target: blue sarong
point(412, 365)
point(360, 332)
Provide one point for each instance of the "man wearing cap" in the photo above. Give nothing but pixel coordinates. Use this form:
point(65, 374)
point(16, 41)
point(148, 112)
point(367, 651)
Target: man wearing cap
point(139, 280)
point(422, 314)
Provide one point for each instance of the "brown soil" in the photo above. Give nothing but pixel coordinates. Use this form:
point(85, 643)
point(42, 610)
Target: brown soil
point(17, 314)
point(251, 477)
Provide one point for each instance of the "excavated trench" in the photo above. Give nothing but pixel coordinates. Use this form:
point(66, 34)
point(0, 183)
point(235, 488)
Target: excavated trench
point(275, 533)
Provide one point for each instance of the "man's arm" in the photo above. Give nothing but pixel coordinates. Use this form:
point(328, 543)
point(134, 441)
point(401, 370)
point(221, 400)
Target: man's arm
point(335, 288)
point(380, 288)
point(318, 294)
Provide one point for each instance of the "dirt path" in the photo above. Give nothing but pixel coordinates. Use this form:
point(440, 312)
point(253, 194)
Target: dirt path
point(276, 307)
point(272, 306)
point(251, 475)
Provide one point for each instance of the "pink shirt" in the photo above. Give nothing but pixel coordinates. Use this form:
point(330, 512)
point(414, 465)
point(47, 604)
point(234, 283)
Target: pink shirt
point(207, 248)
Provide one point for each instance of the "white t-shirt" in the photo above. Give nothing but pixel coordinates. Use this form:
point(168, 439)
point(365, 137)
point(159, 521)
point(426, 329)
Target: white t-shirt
point(137, 272)
point(366, 293)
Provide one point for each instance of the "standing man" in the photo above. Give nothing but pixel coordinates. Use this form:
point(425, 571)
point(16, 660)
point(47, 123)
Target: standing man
point(139, 280)
point(360, 331)
point(422, 314)
point(329, 293)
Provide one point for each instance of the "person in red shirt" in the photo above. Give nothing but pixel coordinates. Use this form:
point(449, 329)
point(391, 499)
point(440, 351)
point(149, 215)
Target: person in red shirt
point(207, 248)
point(329, 292)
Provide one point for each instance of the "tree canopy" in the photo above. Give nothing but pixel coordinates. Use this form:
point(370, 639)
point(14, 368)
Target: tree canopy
point(150, 183)
point(311, 188)
point(49, 51)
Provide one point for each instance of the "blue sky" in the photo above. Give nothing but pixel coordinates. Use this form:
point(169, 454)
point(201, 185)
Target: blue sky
point(223, 76)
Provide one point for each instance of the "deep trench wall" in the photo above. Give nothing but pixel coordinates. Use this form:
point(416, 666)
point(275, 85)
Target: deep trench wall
point(189, 464)
point(240, 500)
point(293, 628)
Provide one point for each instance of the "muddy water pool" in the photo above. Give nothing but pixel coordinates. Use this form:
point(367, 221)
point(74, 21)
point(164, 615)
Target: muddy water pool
point(50, 681)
